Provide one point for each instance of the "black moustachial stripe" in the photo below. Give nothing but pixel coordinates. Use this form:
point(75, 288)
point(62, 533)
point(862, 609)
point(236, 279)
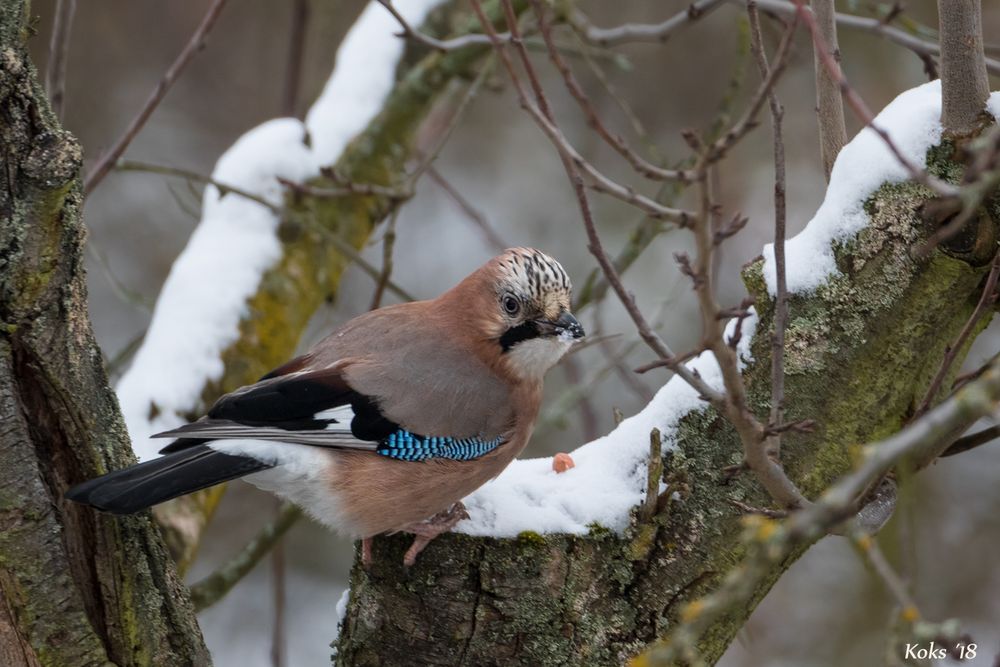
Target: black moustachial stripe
point(514, 335)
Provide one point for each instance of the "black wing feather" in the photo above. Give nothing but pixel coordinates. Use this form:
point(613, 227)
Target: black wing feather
point(291, 401)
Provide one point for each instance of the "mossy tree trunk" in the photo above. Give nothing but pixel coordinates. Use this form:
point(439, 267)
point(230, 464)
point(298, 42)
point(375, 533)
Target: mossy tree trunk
point(77, 588)
point(860, 353)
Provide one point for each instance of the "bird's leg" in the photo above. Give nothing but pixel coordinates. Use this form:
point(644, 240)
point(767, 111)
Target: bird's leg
point(426, 530)
point(366, 552)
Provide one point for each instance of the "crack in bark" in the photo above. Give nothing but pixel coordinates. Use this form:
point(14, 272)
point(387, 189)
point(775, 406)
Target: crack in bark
point(475, 603)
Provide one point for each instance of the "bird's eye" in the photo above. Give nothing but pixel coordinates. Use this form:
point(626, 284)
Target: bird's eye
point(511, 305)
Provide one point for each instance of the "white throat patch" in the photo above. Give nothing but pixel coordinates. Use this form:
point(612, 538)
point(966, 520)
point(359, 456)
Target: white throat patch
point(531, 359)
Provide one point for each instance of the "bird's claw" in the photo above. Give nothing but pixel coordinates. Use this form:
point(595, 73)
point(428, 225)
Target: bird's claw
point(426, 530)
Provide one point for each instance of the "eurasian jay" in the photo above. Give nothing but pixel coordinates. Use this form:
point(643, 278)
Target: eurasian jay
point(389, 421)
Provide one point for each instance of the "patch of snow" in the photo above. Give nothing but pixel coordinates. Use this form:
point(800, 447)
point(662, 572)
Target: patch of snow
point(609, 477)
point(913, 120)
point(199, 309)
point(341, 611)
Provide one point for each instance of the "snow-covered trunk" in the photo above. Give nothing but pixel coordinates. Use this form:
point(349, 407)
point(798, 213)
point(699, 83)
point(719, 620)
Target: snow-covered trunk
point(77, 588)
point(858, 359)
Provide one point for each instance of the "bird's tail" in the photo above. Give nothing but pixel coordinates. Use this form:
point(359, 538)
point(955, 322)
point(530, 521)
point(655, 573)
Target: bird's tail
point(146, 484)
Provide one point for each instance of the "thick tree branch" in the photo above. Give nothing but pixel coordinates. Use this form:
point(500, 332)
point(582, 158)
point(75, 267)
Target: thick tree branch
point(964, 84)
point(829, 105)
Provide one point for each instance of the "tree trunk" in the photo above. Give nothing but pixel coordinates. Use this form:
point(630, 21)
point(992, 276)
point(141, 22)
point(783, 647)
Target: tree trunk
point(858, 360)
point(78, 588)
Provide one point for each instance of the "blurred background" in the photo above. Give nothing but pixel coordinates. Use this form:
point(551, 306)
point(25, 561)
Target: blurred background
point(828, 610)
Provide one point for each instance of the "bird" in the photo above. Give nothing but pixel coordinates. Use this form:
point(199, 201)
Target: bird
point(388, 422)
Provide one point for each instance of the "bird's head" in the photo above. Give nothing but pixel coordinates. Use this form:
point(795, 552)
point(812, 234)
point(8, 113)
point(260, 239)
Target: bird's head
point(530, 320)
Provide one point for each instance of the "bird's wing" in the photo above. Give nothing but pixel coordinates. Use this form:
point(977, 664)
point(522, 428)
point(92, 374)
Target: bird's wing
point(319, 408)
point(309, 407)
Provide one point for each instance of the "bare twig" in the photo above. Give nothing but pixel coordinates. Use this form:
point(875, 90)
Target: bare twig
point(869, 548)
point(194, 45)
point(640, 164)
point(653, 474)
point(177, 172)
point(829, 105)
point(585, 406)
point(212, 588)
point(862, 111)
point(388, 243)
point(347, 189)
point(760, 511)
point(964, 83)
point(296, 47)
point(598, 181)
point(748, 121)
point(968, 442)
point(921, 47)
point(409, 32)
point(348, 250)
point(638, 32)
point(985, 303)
point(617, 359)
point(55, 74)
point(752, 433)
point(777, 414)
point(477, 217)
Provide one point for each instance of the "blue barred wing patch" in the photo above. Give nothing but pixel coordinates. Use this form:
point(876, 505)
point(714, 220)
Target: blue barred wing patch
point(407, 446)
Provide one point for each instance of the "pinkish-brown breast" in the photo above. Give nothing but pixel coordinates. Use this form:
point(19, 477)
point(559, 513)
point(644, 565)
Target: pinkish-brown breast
point(379, 494)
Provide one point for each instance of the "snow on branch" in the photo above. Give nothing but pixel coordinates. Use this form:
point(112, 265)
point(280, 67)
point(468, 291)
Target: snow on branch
point(913, 120)
point(199, 309)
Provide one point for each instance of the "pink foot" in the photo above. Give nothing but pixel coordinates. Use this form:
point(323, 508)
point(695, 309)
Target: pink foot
point(426, 530)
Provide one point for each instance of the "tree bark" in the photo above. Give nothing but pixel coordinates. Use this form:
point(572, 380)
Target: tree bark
point(829, 104)
point(77, 588)
point(858, 359)
point(965, 85)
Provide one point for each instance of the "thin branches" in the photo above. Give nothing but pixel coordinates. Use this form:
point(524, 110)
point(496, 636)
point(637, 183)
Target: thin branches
point(55, 74)
point(188, 175)
point(640, 164)
point(213, 588)
point(777, 413)
point(194, 45)
point(571, 165)
point(409, 32)
point(862, 111)
point(732, 403)
point(490, 235)
point(753, 434)
point(639, 32)
point(986, 301)
point(771, 542)
point(829, 105)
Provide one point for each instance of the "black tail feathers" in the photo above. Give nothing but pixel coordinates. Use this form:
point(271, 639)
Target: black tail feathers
point(146, 484)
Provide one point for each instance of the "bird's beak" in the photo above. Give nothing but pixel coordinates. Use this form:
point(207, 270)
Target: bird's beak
point(565, 324)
